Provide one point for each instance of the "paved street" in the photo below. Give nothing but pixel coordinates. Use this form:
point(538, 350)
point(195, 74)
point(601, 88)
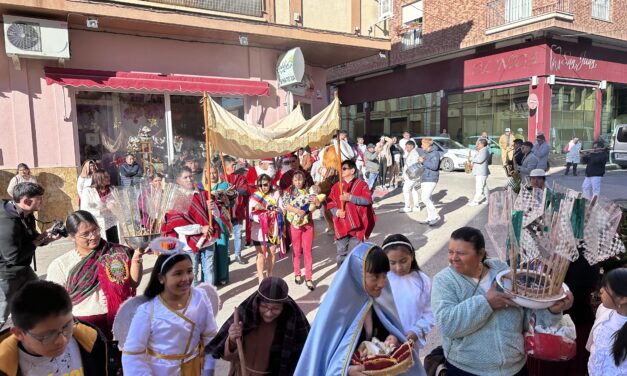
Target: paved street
point(450, 196)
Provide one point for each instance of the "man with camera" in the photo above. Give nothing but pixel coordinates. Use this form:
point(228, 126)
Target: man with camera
point(18, 240)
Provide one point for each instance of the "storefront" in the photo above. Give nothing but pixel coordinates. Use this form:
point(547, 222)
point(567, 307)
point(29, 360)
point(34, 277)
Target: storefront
point(101, 104)
point(581, 91)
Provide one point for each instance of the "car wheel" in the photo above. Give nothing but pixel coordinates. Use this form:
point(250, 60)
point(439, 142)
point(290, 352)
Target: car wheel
point(447, 164)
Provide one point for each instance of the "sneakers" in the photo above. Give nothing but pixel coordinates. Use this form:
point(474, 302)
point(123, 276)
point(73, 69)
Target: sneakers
point(405, 210)
point(240, 260)
point(472, 203)
point(434, 222)
point(416, 209)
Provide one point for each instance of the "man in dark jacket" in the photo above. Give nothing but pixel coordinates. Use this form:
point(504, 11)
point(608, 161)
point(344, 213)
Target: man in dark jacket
point(429, 179)
point(18, 241)
point(48, 340)
point(130, 172)
point(595, 169)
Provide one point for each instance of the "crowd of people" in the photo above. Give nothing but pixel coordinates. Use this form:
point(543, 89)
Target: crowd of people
point(379, 297)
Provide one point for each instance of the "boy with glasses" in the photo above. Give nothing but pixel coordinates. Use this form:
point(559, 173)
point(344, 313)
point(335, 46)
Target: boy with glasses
point(47, 339)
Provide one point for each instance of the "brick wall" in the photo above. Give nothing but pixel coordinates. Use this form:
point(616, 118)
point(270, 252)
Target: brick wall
point(450, 26)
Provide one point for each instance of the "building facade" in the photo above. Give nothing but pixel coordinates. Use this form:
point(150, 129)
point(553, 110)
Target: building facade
point(137, 70)
point(474, 68)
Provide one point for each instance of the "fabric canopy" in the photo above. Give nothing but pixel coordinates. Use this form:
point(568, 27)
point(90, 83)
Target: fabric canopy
point(154, 81)
point(235, 137)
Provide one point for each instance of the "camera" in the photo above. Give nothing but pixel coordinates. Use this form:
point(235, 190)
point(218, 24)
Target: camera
point(58, 229)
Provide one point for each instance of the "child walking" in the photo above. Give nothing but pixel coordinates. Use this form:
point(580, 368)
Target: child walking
point(168, 333)
point(608, 339)
point(298, 205)
point(411, 289)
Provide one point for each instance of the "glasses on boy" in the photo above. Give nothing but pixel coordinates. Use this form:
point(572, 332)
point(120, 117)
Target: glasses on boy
point(67, 330)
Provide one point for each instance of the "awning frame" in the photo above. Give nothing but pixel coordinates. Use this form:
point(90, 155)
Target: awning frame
point(154, 82)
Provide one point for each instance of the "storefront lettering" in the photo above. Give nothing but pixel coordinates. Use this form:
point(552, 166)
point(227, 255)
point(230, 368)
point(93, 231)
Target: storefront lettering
point(505, 63)
point(560, 58)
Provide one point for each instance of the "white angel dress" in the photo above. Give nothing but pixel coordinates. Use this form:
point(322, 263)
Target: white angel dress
point(164, 341)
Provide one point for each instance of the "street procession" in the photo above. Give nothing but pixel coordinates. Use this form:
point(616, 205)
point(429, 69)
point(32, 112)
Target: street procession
point(313, 188)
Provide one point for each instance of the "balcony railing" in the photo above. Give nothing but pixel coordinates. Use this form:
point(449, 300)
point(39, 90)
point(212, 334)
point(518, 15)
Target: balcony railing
point(504, 12)
point(254, 8)
point(411, 38)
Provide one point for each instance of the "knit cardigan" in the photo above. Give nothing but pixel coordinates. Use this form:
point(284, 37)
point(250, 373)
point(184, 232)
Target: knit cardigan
point(476, 338)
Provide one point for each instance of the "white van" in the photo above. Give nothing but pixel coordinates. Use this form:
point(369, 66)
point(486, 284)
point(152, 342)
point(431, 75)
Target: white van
point(618, 146)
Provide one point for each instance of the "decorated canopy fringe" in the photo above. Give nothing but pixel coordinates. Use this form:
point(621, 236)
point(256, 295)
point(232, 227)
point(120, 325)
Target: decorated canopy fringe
point(235, 137)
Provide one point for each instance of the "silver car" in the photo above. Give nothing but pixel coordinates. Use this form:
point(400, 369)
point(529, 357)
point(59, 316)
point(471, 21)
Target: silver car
point(618, 146)
point(453, 153)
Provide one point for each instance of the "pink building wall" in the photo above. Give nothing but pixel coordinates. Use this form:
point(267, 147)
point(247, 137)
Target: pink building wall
point(38, 121)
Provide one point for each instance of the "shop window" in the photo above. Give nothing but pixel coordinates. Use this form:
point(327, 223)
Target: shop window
point(572, 115)
point(110, 125)
point(601, 9)
point(490, 111)
point(188, 127)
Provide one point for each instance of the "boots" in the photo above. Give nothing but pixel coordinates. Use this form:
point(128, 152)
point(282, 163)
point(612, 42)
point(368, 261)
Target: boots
point(568, 164)
point(574, 169)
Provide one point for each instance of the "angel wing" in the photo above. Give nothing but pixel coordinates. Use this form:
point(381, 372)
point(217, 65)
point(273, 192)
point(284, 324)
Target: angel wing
point(123, 319)
point(212, 293)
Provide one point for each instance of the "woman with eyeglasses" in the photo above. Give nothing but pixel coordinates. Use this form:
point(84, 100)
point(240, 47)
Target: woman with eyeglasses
point(273, 330)
point(265, 227)
point(98, 275)
point(23, 176)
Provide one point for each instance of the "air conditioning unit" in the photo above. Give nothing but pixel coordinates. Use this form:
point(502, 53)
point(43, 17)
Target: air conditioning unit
point(36, 38)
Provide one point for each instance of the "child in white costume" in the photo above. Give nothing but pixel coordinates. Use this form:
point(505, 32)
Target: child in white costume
point(411, 289)
point(168, 333)
point(608, 339)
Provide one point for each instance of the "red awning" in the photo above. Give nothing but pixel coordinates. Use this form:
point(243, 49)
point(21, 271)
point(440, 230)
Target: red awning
point(154, 82)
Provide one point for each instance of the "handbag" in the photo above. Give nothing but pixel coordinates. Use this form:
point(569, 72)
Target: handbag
point(548, 346)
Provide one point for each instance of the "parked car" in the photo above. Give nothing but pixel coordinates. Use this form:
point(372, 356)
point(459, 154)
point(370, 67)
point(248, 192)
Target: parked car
point(493, 143)
point(618, 146)
point(453, 153)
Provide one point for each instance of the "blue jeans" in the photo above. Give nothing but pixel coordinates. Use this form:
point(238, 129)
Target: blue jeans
point(237, 238)
point(372, 178)
point(204, 258)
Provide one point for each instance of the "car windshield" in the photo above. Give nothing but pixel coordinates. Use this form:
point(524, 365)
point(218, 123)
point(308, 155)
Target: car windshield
point(449, 144)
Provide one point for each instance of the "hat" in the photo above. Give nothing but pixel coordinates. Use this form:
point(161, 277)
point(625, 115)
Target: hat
point(541, 137)
point(370, 145)
point(266, 160)
point(520, 130)
point(507, 130)
point(537, 173)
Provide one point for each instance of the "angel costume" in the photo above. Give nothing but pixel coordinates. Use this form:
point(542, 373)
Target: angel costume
point(341, 322)
point(164, 341)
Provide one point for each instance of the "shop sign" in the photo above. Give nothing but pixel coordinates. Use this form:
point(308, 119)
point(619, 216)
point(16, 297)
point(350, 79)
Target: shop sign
point(290, 68)
point(564, 59)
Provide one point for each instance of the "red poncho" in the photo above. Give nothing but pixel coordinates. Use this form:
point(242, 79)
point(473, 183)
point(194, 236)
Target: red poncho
point(359, 220)
point(198, 214)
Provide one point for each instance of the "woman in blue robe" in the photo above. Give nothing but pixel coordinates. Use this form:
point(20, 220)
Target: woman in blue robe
point(358, 306)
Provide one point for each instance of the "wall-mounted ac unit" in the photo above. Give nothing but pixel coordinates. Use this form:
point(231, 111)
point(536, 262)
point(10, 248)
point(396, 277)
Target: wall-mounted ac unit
point(35, 38)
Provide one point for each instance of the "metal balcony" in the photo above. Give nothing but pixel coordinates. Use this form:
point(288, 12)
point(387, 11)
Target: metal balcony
point(506, 14)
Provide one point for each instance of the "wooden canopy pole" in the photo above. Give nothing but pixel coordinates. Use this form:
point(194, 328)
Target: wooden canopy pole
point(240, 348)
point(205, 105)
point(339, 155)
